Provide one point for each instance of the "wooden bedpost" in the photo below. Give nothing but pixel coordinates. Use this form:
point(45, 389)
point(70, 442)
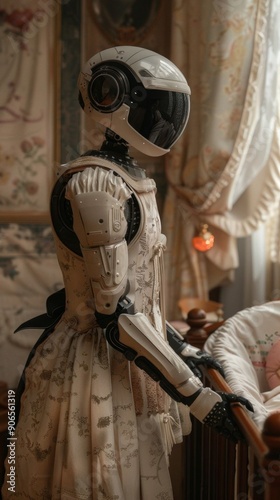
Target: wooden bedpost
point(199, 329)
point(196, 335)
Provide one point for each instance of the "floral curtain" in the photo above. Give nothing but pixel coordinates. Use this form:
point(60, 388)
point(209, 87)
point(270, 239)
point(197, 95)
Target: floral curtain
point(225, 169)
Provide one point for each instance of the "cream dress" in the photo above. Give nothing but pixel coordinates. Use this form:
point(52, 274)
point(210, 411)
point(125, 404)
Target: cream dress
point(92, 425)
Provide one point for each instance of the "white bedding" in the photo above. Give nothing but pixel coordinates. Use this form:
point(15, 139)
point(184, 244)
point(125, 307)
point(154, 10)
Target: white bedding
point(241, 345)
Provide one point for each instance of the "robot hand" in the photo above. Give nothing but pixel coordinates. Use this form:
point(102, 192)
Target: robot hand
point(192, 356)
point(221, 417)
point(135, 337)
point(201, 359)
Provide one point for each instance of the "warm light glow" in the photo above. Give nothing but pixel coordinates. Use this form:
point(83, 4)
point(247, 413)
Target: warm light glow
point(204, 241)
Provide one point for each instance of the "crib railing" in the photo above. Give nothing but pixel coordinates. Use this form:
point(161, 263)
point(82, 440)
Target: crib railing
point(217, 469)
point(258, 459)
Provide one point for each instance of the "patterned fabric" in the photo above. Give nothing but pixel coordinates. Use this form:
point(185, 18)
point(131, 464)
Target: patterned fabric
point(272, 368)
point(242, 345)
point(25, 117)
point(229, 52)
point(29, 273)
point(92, 425)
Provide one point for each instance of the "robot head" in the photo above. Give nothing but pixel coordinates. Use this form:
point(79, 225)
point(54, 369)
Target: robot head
point(139, 95)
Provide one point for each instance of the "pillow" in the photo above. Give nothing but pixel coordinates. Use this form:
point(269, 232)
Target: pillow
point(272, 369)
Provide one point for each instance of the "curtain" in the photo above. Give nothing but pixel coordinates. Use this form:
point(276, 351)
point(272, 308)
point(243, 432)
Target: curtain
point(225, 170)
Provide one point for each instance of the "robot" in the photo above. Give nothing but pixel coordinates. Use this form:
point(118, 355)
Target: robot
point(105, 220)
point(143, 100)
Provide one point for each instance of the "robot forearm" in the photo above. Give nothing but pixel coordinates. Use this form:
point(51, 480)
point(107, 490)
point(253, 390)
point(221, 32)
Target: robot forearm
point(139, 342)
point(151, 353)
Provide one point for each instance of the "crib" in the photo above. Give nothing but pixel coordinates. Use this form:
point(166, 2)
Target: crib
point(216, 468)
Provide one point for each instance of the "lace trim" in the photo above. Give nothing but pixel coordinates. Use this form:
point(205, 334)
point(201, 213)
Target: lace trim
point(139, 185)
point(156, 396)
point(159, 274)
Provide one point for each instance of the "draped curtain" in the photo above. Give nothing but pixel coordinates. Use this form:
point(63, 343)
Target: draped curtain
point(225, 169)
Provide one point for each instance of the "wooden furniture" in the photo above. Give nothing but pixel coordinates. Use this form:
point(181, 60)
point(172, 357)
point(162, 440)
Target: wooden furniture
point(217, 469)
point(213, 309)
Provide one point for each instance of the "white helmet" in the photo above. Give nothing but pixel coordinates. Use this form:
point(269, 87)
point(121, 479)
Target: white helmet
point(138, 94)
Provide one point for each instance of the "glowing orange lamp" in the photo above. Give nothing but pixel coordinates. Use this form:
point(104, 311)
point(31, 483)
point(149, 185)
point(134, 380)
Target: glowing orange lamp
point(204, 241)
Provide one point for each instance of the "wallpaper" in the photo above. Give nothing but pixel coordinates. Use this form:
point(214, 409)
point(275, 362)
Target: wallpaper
point(39, 120)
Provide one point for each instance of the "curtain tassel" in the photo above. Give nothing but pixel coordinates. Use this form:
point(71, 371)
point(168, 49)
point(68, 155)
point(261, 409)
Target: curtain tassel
point(166, 424)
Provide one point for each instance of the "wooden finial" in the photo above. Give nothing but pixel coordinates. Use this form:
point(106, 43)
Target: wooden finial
point(196, 335)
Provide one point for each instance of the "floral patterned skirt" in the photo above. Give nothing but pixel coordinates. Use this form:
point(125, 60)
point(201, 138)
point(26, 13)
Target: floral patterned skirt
point(78, 436)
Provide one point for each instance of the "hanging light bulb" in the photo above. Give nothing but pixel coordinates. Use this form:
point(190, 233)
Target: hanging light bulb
point(204, 241)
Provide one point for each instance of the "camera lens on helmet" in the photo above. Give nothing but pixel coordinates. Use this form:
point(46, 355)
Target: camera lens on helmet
point(107, 89)
point(104, 91)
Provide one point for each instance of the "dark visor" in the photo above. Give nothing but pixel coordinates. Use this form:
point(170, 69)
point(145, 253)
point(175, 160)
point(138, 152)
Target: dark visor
point(160, 116)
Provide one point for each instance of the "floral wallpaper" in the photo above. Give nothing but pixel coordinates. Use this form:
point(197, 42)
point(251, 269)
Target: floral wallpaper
point(26, 240)
point(19, 172)
point(29, 271)
point(26, 119)
point(70, 112)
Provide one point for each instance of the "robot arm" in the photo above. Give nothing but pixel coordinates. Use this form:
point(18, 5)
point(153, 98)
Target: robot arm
point(192, 356)
point(98, 199)
point(136, 338)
